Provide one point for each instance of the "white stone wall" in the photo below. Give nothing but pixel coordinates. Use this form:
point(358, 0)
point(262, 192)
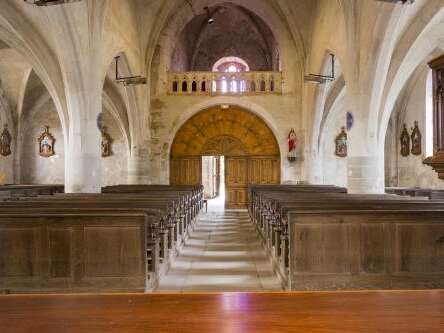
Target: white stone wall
point(334, 168)
point(114, 167)
point(34, 168)
point(410, 171)
point(40, 170)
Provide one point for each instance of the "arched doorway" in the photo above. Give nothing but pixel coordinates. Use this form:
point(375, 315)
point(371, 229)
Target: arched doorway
point(250, 149)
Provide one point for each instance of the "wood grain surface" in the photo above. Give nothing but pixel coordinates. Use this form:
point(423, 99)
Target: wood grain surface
point(321, 312)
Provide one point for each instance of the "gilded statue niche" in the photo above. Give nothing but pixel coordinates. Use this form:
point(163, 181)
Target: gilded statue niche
point(46, 143)
point(341, 144)
point(106, 143)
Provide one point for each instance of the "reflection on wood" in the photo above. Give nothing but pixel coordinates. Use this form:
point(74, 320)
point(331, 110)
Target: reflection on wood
point(327, 312)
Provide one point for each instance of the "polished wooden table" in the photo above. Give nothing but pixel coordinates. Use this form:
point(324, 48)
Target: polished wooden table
point(323, 312)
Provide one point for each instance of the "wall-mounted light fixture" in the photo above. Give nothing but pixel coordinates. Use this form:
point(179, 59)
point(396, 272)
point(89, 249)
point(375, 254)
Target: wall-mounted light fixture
point(317, 78)
point(128, 80)
point(49, 2)
point(210, 17)
point(402, 2)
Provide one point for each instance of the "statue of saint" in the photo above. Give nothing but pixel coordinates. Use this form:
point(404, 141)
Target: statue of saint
point(46, 143)
point(5, 142)
point(405, 142)
point(416, 140)
point(292, 142)
point(106, 143)
point(341, 143)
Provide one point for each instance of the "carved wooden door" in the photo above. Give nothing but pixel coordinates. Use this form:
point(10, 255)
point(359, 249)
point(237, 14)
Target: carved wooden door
point(236, 181)
point(186, 171)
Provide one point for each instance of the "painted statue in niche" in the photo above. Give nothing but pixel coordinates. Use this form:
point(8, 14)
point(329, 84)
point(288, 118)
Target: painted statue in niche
point(439, 90)
point(341, 144)
point(5, 142)
point(292, 142)
point(106, 143)
point(405, 142)
point(46, 143)
point(416, 140)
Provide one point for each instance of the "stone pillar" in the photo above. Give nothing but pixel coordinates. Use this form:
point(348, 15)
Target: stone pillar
point(365, 160)
point(138, 166)
point(83, 161)
point(365, 175)
point(83, 165)
point(80, 49)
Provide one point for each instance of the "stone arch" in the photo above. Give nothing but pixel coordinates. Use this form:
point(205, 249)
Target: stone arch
point(417, 45)
point(243, 126)
point(252, 154)
point(253, 108)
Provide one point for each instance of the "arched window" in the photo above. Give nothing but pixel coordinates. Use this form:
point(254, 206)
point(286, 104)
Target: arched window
point(429, 115)
point(231, 64)
point(262, 85)
point(194, 86)
point(184, 86)
point(232, 84)
point(175, 86)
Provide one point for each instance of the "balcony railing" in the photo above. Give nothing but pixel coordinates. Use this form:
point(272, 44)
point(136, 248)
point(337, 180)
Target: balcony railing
point(223, 83)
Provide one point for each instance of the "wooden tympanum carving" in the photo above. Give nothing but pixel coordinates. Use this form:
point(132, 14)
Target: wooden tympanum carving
point(5, 142)
point(46, 143)
point(405, 142)
point(106, 143)
point(341, 144)
point(416, 140)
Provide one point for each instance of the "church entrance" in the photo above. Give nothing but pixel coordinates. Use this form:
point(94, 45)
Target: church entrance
point(233, 140)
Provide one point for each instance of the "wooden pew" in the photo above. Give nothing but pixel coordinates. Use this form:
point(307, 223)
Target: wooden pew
point(77, 251)
point(416, 192)
point(15, 191)
point(275, 209)
point(169, 214)
point(384, 248)
point(165, 224)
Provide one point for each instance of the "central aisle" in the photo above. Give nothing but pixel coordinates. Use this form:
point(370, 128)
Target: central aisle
point(223, 253)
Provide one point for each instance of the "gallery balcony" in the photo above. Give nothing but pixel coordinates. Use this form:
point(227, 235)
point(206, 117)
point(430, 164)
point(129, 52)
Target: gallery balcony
point(224, 83)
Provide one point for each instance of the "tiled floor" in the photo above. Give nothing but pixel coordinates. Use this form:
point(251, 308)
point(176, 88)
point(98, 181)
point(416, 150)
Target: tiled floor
point(223, 253)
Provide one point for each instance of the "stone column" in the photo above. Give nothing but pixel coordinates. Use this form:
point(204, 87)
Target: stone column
point(83, 161)
point(364, 175)
point(138, 166)
point(365, 168)
point(83, 165)
point(80, 49)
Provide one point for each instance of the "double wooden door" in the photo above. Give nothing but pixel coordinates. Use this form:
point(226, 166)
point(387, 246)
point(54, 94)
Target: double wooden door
point(240, 171)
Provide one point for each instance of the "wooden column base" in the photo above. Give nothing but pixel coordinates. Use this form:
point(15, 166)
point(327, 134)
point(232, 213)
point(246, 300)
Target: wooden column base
point(437, 163)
